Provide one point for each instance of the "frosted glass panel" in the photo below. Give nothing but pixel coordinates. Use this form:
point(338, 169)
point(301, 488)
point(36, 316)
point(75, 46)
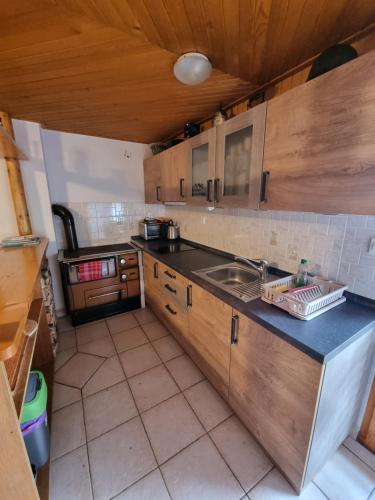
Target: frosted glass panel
point(199, 170)
point(237, 161)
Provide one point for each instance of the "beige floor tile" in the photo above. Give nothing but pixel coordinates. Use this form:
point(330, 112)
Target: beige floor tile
point(275, 487)
point(64, 323)
point(144, 316)
point(139, 360)
point(171, 426)
point(129, 339)
point(67, 340)
point(207, 404)
point(184, 371)
point(70, 478)
point(167, 348)
point(155, 330)
point(199, 472)
point(241, 452)
point(345, 476)
point(109, 373)
point(121, 322)
point(152, 387)
point(102, 347)
point(107, 409)
point(91, 331)
point(119, 458)
point(78, 370)
point(150, 487)
point(63, 356)
point(68, 430)
point(64, 395)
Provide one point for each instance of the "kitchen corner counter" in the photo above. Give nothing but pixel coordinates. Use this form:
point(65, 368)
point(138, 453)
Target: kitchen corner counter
point(321, 338)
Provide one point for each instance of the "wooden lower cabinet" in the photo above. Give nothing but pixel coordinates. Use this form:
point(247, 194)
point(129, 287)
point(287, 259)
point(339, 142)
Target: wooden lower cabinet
point(209, 336)
point(274, 389)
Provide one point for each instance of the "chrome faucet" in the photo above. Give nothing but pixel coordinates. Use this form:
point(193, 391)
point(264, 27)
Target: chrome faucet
point(260, 265)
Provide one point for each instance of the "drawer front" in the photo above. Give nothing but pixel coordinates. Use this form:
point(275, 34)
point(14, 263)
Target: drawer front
point(129, 274)
point(174, 290)
point(105, 295)
point(134, 289)
point(127, 260)
point(174, 317)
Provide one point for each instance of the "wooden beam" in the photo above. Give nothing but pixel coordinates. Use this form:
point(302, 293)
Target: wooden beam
point(16, 184)
point(367, 433)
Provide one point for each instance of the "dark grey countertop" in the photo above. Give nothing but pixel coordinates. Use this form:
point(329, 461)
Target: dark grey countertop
point(321, 338)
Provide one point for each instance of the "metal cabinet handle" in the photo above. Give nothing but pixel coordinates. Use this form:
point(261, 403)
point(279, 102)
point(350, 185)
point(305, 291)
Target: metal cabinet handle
point(189, 293)
point(182, 188)
point(234, 330)
point(209, 185)
point(263, 189)
point(92, 297)
point(156, 270)
point(216, 189)
point(168, 287)
point(170, 275)
point(158, 193)
point(168, 307)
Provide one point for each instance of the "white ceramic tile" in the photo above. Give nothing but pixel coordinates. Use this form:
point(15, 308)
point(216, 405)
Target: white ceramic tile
point(129, 339)
point(275, 487)
point(109, 373)
point(63, 356)
point(167, 348)
point(199, 472)
point(119, 458)
point(68, 430)
point(207, 404)
point(64, 395)
point(150, 487)
point(121, 322)
point(91, 332)
point(184, 371)
point(67, 340)
point(155, 330)
point(152, 387)
point(241, 452)
point(140, 359)
point(107, 409)
point(77, 371)
point(171, 426)
point(103, 347)
point(345, 476)
point(144, 315)
point(70, 478)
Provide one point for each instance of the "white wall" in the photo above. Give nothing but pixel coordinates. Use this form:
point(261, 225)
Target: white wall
point(8, 223)
point(92, 169)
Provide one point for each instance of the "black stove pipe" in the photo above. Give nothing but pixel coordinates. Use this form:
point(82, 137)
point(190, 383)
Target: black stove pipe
point(69, 225)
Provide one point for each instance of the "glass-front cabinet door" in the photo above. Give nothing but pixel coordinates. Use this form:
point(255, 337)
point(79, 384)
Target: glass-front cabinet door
point(201, 168)
point(239, 159)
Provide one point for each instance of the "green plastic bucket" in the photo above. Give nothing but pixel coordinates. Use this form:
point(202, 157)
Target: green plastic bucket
point(35, 398)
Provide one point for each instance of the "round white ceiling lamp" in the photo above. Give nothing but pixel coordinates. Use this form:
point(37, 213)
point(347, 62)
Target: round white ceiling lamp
point(192, 68)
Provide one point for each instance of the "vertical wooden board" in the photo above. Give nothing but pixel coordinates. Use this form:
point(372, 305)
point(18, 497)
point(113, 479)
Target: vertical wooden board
point(367, 432)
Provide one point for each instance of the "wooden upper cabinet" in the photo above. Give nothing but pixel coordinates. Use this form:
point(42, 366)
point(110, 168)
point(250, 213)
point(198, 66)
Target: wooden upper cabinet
point(239, 157)
point(173, 173)
point(274, 389)
point(200, 171)
point(152, 179)
point(319, 144)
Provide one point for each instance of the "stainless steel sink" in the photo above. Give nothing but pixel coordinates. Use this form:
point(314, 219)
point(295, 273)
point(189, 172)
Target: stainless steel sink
point(237, 279)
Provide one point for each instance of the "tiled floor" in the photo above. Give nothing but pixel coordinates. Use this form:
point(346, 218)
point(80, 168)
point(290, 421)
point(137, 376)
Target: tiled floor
point(135, 419)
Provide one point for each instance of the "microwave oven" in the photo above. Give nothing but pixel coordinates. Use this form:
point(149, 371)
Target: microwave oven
point(152, 230)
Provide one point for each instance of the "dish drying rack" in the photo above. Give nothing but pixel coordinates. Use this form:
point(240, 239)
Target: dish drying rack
point(304, 304)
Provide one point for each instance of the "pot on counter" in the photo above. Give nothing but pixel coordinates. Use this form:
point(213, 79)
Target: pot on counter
point(173, 231)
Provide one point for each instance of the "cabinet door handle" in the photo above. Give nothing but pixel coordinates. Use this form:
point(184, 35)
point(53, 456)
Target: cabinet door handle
point(156, 270)
point(189, 292)
point(168, 287)
point(209, 185)
point(234, 330)
point(168, 307)
point(92, 297)
point(263, 189)
point(182, 188)
point(170, 275)
point(158, 193)
point(216, 189)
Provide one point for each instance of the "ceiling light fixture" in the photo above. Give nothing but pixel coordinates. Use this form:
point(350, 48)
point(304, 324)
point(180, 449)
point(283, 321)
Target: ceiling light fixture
point(192, 68)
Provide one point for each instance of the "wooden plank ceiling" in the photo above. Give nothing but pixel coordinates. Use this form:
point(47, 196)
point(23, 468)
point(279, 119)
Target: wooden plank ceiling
point(104, 67)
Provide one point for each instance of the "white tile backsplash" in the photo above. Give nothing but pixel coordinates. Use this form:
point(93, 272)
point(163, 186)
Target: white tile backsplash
point(335, 245)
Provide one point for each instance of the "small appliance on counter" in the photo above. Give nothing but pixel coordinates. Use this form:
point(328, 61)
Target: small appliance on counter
point(173, 231)
point(152, 229)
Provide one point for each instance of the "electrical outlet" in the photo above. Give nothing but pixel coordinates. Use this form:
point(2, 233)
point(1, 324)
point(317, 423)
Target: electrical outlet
point(371, 248)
